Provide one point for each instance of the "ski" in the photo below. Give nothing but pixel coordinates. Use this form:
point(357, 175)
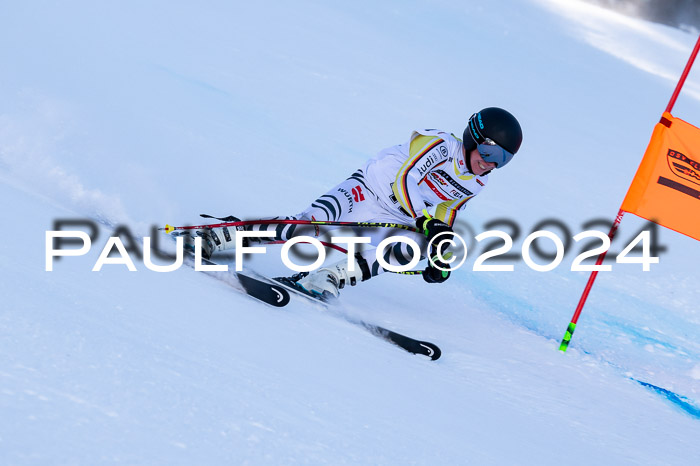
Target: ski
point(258, 288)
point(264, 291)
point(277, 292)
point(404, 342)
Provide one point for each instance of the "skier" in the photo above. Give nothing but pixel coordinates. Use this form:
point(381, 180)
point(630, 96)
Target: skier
point(424, 182)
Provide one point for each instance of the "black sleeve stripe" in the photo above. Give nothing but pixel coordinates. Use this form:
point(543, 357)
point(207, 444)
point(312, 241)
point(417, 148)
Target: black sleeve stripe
point(329, 206)
point(324, 209)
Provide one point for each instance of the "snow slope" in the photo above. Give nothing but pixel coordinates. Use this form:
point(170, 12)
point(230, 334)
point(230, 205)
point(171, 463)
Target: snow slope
point(141, 114)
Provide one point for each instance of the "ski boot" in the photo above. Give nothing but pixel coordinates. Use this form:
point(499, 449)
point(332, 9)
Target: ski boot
point(326, 283)
point(220, 238)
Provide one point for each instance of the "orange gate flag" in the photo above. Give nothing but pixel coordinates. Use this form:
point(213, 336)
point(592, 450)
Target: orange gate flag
point(666, 188)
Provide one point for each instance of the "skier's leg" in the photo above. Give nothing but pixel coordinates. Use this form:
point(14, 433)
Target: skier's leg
point(349, 201)
point(398, 253)
point(328, 280)
point(352, 201)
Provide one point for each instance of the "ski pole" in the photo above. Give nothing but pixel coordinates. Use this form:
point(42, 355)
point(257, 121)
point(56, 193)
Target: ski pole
point(169, 228)
point(345, 251)
point(332, 246)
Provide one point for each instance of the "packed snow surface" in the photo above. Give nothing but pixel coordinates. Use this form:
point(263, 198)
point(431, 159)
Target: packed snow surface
point(137, 114)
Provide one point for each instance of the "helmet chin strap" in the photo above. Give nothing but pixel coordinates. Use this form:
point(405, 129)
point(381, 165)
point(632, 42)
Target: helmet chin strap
point(469, 165)
point(467, 158)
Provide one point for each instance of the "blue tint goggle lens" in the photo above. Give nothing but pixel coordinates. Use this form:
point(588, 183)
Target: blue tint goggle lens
point(492, 152)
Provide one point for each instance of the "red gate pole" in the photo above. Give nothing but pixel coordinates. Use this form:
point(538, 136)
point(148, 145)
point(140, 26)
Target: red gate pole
point(684, 75)
point(574, 320)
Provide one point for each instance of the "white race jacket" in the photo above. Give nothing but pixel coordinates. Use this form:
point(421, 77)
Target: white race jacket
point(428, 172)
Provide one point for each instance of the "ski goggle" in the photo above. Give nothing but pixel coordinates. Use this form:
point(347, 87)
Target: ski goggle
point(492, 152)
point(488, 148)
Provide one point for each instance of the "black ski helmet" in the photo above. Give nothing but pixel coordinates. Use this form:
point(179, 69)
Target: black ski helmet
point(496, 124)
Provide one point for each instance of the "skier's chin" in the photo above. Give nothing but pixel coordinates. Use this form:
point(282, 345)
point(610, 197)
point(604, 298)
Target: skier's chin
point(482, 174)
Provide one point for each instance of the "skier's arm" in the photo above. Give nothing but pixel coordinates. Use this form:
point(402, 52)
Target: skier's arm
point(447, 211)
point(406, 187)
point(408, 194)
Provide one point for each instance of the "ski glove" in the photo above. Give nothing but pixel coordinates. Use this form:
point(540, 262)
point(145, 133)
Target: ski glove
point(431, 228)
point(432, 274)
